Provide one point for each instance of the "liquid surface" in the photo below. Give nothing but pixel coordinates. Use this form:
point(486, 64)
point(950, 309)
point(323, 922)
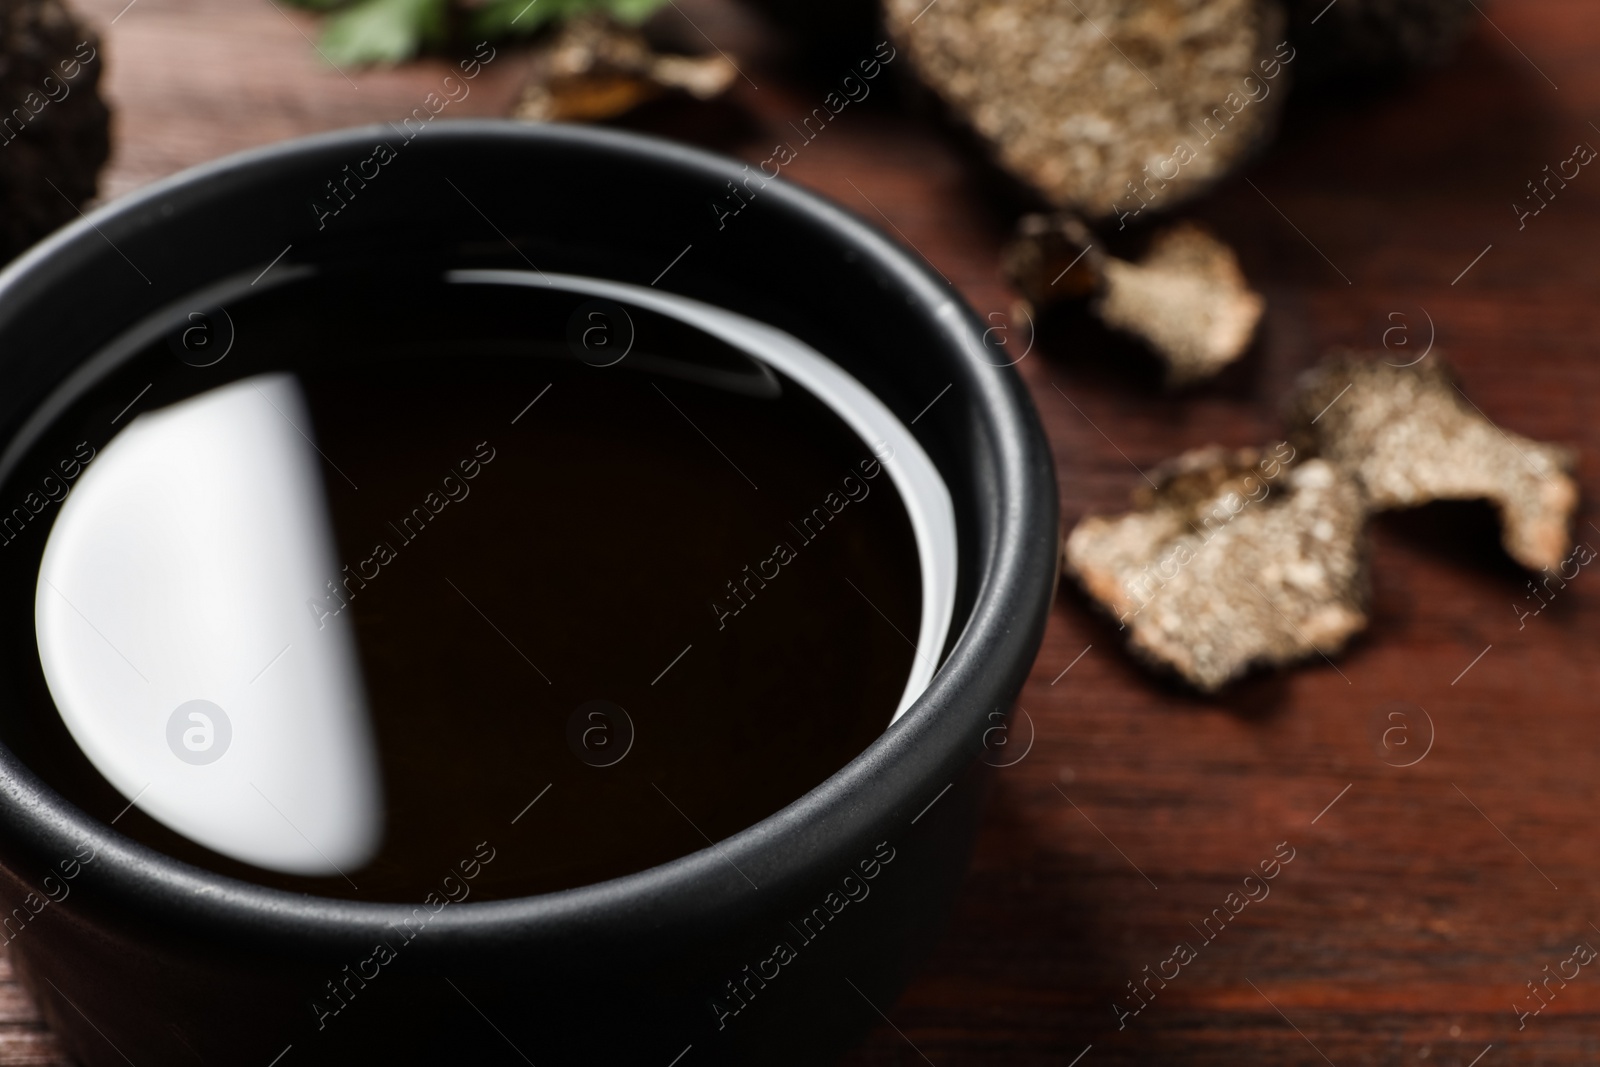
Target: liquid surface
point(415, 573)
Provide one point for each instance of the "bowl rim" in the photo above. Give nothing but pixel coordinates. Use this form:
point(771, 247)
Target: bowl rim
point(899, 772)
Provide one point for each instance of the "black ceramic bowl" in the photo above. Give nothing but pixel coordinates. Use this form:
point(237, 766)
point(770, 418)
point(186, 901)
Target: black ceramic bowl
point(140, 958)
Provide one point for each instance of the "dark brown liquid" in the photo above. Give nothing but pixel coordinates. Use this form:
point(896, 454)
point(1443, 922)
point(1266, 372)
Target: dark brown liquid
point(586, 563)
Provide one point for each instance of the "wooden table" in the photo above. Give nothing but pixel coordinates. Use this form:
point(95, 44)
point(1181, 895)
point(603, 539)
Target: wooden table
point(1420, 900)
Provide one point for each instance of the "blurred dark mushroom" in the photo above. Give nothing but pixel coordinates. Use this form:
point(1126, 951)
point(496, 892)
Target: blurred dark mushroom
point(1357, 39)
point(54, 129)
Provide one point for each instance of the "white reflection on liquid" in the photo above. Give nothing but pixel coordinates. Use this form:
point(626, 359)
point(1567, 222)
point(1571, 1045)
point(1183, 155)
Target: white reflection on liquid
point(178, 571)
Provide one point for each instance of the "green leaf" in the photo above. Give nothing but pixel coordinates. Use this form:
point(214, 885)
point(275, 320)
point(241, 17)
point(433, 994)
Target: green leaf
point(632, 12)
point(382, 31)
point(319, 5)
point(505, 18)
point(502, 18)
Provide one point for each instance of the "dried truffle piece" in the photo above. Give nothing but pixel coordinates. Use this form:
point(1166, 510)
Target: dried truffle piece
point(595, 69)
point(1357, 38)
point(1408, 435)
point(1052, 258)
point(1234, 558)
point(1186, 297)
point(55, 129)
point(1102, 106)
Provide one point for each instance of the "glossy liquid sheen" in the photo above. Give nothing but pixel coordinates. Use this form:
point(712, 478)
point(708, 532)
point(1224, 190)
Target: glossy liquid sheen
point(578, 618)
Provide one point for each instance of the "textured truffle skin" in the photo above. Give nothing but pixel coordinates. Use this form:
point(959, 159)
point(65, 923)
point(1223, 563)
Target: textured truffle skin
point(54, 128)
point(1408, 435)
point(1187, 299)
point(1088, 100)
point(1232, 559)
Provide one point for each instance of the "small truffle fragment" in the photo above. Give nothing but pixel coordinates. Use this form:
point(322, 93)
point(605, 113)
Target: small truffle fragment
point(56, 133)
point(596, 69)
point(1186, 297)
point(1053, 258)
point(1408, 435)
point(1234, 558)
point(1104, 107)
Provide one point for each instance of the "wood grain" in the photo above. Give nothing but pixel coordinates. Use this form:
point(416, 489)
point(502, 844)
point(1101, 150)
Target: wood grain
point(1421, 899)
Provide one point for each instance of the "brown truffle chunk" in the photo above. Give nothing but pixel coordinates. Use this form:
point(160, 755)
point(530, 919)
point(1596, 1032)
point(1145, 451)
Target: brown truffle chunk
point(1408, 435)
point(1186, 297)
point(1053, 258)
point(1102, 106)
point(54, 129)
point(595, 69)
point(1232, 559)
